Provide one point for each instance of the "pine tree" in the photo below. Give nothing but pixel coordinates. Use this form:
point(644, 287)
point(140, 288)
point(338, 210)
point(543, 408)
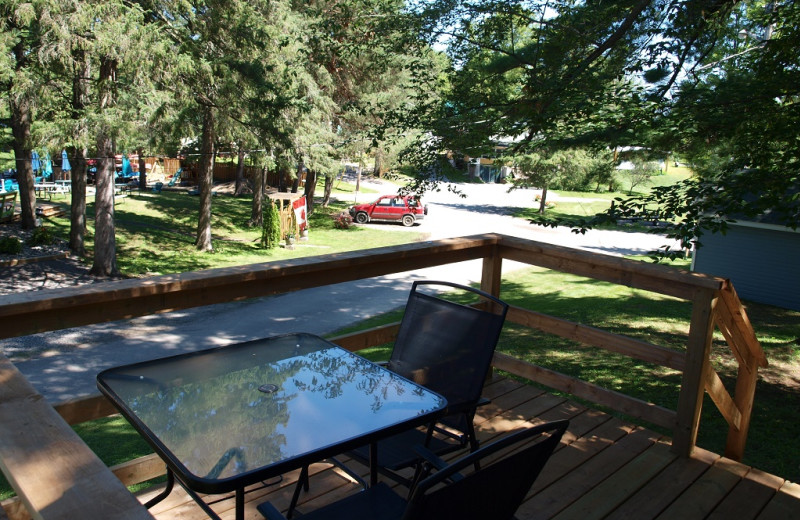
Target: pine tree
point(271, 230)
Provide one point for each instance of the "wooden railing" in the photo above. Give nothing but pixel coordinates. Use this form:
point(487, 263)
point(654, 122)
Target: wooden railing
point(713, 301)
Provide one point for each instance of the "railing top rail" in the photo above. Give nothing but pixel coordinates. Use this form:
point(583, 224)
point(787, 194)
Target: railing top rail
point(33, 312)
point(633, 273)
point(33, 437)
point(29, 313)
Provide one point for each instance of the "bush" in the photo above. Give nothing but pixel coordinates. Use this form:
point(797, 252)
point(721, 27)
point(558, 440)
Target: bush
point(41, 237)
point(271, 229)
point(10, 246)
point(342, 221)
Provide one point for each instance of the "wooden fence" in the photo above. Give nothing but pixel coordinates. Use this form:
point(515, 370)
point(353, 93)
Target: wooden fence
point(713, 302)
point(226, 172)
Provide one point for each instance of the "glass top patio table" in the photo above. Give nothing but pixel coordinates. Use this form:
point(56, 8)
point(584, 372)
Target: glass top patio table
point(227, 417)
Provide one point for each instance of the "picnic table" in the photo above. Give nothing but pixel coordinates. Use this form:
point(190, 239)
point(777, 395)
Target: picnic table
point(49, 189)
point(8, 201)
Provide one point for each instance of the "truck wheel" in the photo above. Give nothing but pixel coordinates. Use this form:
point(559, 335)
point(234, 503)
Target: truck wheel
point(362, 218)
point(408, 220)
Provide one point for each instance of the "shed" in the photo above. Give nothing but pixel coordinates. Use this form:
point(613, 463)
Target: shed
point(286, 203)
point(760, 258)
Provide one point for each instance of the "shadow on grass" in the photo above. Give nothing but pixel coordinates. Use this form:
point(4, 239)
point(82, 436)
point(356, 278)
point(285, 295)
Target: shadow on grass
point(772, 441)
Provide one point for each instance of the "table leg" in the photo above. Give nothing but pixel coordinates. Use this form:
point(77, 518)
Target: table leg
point(240, 504)
point(373, 464)
point(302, 483)
point(164, 494)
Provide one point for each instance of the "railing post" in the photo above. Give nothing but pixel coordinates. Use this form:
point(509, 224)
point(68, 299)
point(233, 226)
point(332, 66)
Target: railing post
point(698, 348)
point(744, 397)
point(492, 273)
point(491, 277)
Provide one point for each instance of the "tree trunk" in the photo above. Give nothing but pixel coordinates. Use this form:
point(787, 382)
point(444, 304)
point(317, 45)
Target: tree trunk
point(326, 199)
point(21, 120)
point(206, 181)
point(377, 171)
point(78, 153)
point(296, 182)
point(257, 213)
point(105, 247)
point(310, 188)
point(239, 189)
point(77, 218)
point(142, 171)
point(21, 129)
point(543, 202)
point(281, 179)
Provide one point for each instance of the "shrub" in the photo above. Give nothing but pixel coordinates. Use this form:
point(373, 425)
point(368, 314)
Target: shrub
point(271, 228)
point(10, 246)
point(342, 221)
point(41, 237)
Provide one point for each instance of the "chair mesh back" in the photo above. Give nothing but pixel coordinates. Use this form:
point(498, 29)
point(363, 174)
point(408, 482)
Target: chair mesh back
point(495, 491)
point(446, 347)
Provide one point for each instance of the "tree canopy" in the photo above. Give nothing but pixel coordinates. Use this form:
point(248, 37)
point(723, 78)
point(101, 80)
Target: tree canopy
point(300, 85)
point(714, 82)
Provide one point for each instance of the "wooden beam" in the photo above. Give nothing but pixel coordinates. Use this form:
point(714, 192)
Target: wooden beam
point(744, 397)
point(632, 273)
point(368, 338)
point(596, 394)
point(742, 324)
point(14, 509)
point(82, 409)
point(29, 313)
point(34, 436)
point(719, 394)
point(598, 338)
point(140, 469)
point(698, 348)
point(724, 321)
point(492, 274)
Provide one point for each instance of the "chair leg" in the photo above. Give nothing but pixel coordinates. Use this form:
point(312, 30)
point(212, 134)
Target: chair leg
point(473, 441)
point(302, 483)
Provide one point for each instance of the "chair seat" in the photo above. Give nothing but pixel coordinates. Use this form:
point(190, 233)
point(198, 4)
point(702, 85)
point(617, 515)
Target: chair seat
point(394, 453)
point(376, 503)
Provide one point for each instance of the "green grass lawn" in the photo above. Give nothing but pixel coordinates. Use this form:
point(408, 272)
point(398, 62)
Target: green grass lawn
point(772, 442)
point(155, 235)
point(576, 205)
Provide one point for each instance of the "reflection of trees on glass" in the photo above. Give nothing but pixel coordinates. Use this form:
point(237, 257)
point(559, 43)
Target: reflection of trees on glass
point(341, 371)
point(232, 417)
point(207, 409)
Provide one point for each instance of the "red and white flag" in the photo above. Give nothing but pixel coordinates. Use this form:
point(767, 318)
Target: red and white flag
point(299, 207)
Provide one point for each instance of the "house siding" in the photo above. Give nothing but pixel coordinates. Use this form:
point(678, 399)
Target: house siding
point(763, 263)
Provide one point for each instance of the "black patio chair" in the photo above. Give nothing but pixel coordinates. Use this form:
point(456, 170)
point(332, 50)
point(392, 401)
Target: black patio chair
point(494, 491)
point(447, 347)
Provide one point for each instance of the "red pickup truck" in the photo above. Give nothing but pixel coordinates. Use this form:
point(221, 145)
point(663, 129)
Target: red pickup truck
point(407, 209)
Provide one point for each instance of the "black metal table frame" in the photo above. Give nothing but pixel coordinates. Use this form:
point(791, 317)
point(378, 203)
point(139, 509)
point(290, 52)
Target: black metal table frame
point(238, 485)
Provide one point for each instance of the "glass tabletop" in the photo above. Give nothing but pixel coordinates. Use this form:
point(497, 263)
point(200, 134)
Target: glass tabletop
point(228, 411)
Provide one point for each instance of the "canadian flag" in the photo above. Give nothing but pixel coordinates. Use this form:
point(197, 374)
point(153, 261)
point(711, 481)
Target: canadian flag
point(299, 207)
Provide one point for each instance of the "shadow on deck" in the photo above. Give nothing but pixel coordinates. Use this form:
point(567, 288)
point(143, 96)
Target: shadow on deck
point(604, 468)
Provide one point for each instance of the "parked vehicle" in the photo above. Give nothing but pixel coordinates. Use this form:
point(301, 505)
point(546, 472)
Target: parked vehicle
point(406, 209)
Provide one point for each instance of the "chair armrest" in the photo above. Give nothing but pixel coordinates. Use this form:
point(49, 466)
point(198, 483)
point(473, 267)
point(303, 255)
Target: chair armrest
point(269, 512)
point(430, 457)
point(433, 462)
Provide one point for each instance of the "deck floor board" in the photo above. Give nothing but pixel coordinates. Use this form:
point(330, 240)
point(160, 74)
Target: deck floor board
point(603, 468)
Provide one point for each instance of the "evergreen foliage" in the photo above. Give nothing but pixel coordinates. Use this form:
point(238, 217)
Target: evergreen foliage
point(312, 83)
point(271, 228)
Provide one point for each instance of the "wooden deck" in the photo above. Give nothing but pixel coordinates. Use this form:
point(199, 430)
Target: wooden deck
point(604, 468)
